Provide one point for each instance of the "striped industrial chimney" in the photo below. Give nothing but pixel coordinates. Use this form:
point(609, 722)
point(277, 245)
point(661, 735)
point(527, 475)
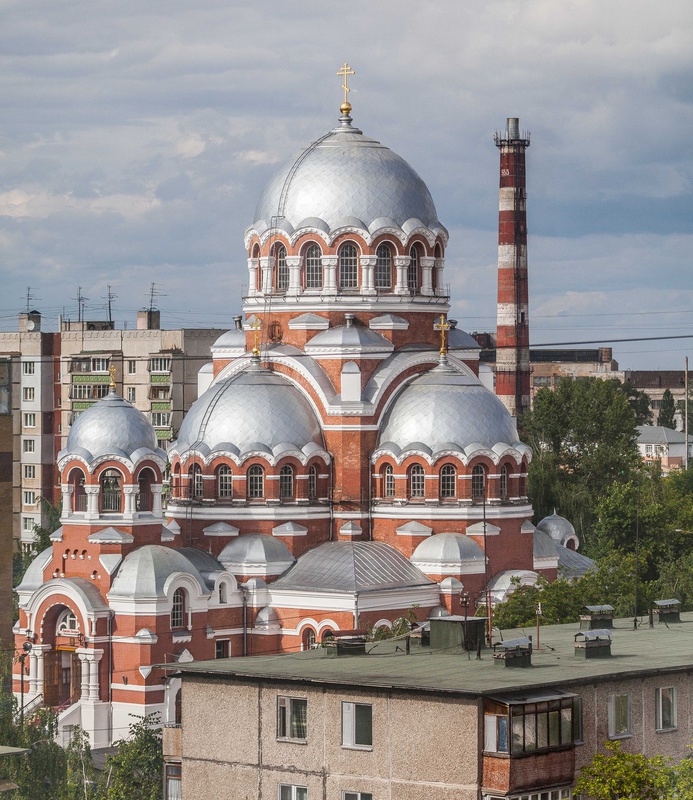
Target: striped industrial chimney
point(512, 331)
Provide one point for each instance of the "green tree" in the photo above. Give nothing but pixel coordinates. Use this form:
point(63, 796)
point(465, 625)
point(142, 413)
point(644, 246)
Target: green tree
point(639, 402)
point(136, 770)
point(583, 436)
point(667, 411)
point(617, 774)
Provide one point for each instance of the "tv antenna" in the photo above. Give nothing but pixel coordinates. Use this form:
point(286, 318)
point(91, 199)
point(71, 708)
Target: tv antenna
point(154, 292)
point(29, 299)
point(81, 300)
point(109, 298)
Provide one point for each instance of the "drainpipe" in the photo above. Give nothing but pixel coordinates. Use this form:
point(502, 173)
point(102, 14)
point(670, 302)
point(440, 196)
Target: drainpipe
point(110, 677)
point(244, 589)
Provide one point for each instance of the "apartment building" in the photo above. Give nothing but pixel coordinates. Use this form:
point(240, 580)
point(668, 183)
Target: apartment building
point(411, 720)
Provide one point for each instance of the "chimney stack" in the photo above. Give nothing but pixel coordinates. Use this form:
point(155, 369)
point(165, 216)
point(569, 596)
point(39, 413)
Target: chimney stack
point(512, 332)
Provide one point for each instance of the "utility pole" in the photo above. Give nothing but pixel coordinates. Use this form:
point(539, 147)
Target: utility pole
point(685, 415)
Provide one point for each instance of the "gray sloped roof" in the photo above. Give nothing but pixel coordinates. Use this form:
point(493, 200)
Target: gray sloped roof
point(572, 564)
point(656, 434)
point(352, 567)
point(544, 545)
point(33, 577)
point(144, 571)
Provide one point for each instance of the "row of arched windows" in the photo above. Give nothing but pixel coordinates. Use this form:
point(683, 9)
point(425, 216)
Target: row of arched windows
point(447, 482)
point(111, 490)
point(255, 488)
point(348, 267)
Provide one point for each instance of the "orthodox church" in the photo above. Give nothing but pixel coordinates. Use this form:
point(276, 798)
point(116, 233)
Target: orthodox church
point(343, 465)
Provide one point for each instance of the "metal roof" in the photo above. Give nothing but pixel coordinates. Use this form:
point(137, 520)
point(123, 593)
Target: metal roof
point(352, 567)
point(571, 563)
point(601, 633)
point(667, 603)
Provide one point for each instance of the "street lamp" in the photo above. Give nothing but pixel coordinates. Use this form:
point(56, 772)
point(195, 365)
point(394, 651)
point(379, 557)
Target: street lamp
point(26, 649)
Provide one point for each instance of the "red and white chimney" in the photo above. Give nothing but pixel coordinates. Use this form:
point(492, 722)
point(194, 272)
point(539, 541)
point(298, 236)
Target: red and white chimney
point(512, 331)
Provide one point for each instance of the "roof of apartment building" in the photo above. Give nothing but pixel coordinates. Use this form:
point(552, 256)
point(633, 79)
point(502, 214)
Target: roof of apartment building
point(656, 434)
point(666, 647)
point(655, 379)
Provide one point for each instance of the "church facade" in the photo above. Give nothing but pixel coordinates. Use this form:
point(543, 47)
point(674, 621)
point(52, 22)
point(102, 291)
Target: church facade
point(343, 467)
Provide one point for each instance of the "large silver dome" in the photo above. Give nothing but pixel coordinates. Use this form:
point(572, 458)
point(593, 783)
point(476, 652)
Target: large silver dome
point(345, 179)
point(447, 410)
point(112, 426)
point(253, 411)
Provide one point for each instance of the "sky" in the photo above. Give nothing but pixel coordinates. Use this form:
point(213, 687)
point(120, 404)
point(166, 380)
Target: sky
point(136, 138)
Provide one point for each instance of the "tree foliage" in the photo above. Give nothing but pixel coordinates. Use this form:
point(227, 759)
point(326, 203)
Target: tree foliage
point(136, 770)
point(618, 774)
point(667, 411)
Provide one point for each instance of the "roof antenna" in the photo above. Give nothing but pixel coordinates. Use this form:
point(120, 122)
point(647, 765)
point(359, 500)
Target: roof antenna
point(109, 298)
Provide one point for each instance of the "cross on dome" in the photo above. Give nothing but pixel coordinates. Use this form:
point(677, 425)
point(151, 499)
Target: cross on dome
point(344, 72)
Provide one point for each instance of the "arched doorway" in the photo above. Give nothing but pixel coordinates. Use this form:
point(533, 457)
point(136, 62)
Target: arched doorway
point(62, 669)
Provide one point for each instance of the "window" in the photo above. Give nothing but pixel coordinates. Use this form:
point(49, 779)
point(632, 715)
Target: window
point(357, 725)
point(111, 490)
point(282, 268)
point(383, 267)
point(29, 498)
point(173, 782)
point(313, 482)
point(287, 792)
point(28, 367)
point(648, 449)
point(496, 734)
point(541, 380)
point(80, 365)
point(160, 393)
point(132, 366)
point(478, 483)
point(178, 609)
point(416, 481)
point(537, 726)
point(99, 365)
point(388, 481)
point(160, 365)
point(131, 394)
point(88, 391)
point(286, 483)
point(413, 270)
point(357, 796)
point(29, 471)
point(30, 420)
point(221, 648)
point(503, 488)
point(161, 419)
point(448, 481)
point(665, 709)
point(619, 715)
point(313, 267)
point(67, 622)
point(29, 446)
point(308, 639)
point(292, 718)
point(577, 720)
point(28, 393)
point(196, 483)
point(28, 524)
point(256, 482)
point(348, 267)
point(224, 482)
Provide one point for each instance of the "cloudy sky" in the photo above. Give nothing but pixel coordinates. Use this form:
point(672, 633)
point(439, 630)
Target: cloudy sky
point(136, 137)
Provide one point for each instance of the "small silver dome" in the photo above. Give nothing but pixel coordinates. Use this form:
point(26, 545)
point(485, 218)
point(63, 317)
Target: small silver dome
point(144, 571)
point(267, 617)
point(446, 552)
point(560, 530)
point(358, 338)
point(254, 410)
point(256, 552)
point(438, 612)
point(443, 410)
point(342, 180)
point(112, 426)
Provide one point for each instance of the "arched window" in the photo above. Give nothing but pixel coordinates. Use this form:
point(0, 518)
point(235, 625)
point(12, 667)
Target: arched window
point(286, 483)
point(144, 495)
point(224, 482)
point(348, 267)
point(383, 267)
point(256, 482)
point(196, 484)
point(67, 623)
point(282, 282)
point(388, 481)
point(313, 267)
point(176, 481)
point(504, 475)
point(223, 596)
point(178, 609)
point(416, 481)
point(308, 639)
point(478, 483)
point(313, 482)
point(448, 481)
point(413, 269)
point(79, 496)
point(111, 490)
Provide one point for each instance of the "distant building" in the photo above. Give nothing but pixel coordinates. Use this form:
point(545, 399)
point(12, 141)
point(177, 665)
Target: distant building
point(402, 719)
point(664, 445)
point(654, 383)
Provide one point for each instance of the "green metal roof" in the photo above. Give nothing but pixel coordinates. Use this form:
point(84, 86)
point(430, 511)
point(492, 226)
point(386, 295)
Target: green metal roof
point(386, 665)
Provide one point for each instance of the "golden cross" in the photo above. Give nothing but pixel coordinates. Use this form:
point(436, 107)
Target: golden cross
point(443, 327)
point(344, 72)
point(256, 327)
point(112, 370)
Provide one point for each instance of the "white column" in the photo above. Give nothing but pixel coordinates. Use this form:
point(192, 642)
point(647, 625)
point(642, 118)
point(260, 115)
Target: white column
point(33, 668)
point(294, 265)
point(83, 656)
point(67, 490)
point(156, 500)
point(368, 274)
point(439, 266)
point(252, 276)
point(427, 265)
point(92, 493)
point(40, 649)
point(401, 264)
point(94, 674)
point(267, 264)
point(129, 495)
point(329, 275)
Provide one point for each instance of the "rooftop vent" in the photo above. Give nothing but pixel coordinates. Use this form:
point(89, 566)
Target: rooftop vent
point(447, 633)
point(667, 610)
point(597, 617)
point(513, 652)
point(593, 644)
point(345, 643)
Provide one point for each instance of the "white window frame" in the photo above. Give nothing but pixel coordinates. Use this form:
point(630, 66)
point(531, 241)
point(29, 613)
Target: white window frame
point(28, 368)
point(132, 366)
point(30, 419)
point(161, 419)
point(29, 394)
point(614, 701)
point(349, 711)
point(29, 471)
point(285, 715)
point(658, 709)
point(160, 364)
point(132, 394)
point(294, 793)
point(29, 497)
point(28, 524)
point(29, 446)
point(346, 795)
point(100, 364)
